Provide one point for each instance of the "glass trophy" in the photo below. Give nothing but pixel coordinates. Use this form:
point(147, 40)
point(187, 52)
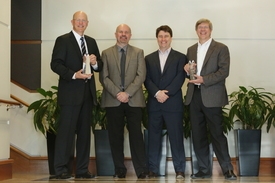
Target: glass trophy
point(87, 66)
point(192, 69)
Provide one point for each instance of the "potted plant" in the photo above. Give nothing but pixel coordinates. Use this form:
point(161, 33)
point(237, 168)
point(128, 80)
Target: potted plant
point(252, 107)
point(45, 119)
point(103, 155)
point(46, 111)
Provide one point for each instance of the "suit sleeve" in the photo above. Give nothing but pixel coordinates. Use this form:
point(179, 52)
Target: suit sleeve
point(104, 77)
point(58, 64)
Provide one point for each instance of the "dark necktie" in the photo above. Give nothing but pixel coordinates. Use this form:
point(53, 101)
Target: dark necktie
point(122, 67)
point(83, 49)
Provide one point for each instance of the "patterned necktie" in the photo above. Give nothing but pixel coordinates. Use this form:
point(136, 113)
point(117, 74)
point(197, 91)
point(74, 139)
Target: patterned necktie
point(83, 49)
point(122, 67)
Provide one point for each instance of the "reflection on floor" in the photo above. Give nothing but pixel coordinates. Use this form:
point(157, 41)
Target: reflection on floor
point(43, 178)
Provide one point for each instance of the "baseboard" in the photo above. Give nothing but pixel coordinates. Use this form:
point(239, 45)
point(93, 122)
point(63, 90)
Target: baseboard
point(6, 169)
point(24, 163)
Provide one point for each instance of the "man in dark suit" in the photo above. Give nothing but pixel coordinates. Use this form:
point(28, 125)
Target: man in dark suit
point(123, 99)
point(206, 95)
point(76, 96)
point(164, 80)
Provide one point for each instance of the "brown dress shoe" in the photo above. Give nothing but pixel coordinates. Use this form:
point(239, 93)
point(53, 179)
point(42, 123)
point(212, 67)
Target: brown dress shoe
point(152, 174)
point(180, 175)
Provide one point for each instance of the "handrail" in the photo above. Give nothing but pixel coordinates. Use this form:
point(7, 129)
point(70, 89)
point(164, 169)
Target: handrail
point(11, 104)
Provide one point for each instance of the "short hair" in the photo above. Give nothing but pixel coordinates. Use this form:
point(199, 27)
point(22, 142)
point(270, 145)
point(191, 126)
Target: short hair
point(164, 28)
point(204, 20)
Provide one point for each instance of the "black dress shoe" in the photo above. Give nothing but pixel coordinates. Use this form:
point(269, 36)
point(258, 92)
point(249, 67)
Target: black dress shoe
point(229, 175)
point(86, 175)
point(200, 175)
point(62, 176)
point(180, 175)
point(119, 175)
point(152, 174)
point(52, 177)
point(143, 175)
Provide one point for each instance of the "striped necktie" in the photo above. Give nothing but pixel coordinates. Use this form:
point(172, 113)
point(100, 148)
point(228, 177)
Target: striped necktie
point(83, 49)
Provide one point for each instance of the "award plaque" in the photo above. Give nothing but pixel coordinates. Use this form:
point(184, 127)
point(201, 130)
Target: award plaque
point(192, 69)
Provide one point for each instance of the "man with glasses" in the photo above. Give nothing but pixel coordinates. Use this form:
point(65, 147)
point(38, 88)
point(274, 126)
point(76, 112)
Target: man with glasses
point(206, 94)
point(73, 53)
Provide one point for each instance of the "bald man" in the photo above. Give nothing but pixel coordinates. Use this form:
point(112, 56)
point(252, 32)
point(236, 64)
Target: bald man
point(76, 96)
point(123, 99)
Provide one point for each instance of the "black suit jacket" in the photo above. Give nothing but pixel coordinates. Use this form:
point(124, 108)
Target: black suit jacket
point(171, 79)
point(66, 60)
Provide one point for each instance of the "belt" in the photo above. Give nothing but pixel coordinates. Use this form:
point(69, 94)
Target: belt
point(197, 86)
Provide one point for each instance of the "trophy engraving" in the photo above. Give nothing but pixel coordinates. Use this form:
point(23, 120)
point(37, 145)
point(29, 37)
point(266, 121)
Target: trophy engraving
point(192, 69)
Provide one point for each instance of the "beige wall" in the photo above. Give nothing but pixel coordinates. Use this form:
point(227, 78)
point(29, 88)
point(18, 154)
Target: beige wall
point(245, 26)
point(4, 77)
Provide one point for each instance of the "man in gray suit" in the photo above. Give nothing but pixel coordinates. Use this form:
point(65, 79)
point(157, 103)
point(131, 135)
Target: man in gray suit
point(123, 99)
point(206, 95)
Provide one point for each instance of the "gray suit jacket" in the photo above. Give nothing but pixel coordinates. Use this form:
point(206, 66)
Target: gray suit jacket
point(215, 70)
point(135, 72)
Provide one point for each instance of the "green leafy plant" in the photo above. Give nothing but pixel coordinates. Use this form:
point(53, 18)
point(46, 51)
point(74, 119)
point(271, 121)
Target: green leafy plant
point(99, 114)
point(144, 110)
point(252, 107)
point(46, 111)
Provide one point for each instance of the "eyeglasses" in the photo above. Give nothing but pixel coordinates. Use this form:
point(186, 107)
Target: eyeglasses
point(81, 20)
point(203, 27)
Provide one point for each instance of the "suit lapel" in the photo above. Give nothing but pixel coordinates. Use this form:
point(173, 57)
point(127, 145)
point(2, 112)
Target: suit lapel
point(168, 60)
point(116, 57)
point(129, 53)
point(157, 61)
point(75, 45)
point(209, 52)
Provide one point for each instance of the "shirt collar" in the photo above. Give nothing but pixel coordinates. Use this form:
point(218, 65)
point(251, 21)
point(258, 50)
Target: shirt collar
point(76, 35)
point(124, 48)
point(205, 43)
point(166, 51)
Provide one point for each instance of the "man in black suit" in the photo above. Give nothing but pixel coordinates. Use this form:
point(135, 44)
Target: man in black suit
point(76, 96)
point(164, 80)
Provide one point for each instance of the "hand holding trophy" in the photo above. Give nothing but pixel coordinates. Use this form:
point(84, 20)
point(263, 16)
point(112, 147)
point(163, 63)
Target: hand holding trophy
point(192, 69)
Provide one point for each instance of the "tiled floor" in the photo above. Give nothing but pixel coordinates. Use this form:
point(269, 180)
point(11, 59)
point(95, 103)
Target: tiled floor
point(25, 178)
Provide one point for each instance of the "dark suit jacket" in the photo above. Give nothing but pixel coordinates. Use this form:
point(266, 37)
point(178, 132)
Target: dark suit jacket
point(215, 70)
point(171, 79)
point(66, 60)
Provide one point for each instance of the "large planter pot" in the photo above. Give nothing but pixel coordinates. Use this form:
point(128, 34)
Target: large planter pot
point(104, 160)
point(248, 151)
point(194, 160)
point(163, 161)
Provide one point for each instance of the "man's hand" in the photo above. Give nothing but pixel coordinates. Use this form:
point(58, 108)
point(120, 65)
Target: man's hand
point(198, 80)
point(80, 75)
point(186, 68)
point(123, 97)
point(162, 96)
point(92, 59)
